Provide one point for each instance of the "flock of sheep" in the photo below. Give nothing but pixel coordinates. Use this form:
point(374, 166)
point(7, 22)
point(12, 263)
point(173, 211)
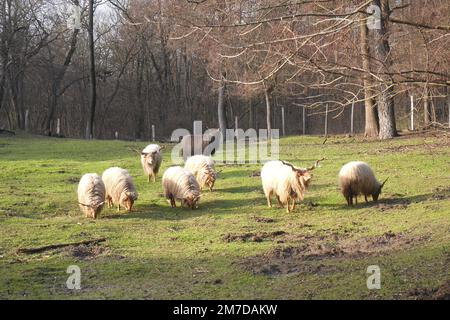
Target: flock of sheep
point(281, 179)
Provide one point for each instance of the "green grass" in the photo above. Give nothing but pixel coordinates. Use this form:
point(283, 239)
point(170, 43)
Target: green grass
point(158, 252)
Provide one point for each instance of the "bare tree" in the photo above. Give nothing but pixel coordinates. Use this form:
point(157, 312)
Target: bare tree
point(92, 75)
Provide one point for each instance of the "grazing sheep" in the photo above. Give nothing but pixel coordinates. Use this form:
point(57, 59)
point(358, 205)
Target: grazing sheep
point(91, 195)
point(286, 182)
point(203, 168)
point(180, 184)
point(151, 159)
point(120, 188)
point(357, 178)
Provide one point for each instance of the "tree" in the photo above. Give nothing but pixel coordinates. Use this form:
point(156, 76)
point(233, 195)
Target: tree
point(386, 113)
point(59, 77)
point(92, 76)
point(371, 121)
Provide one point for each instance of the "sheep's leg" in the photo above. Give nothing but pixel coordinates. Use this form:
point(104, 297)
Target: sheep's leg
point(149, 178)
point(154, 178)
point(118, 207)
point(108, 202)
point(280, 204)
point(356, 199)
point(269, 200)
point(365, 197)
point(293, 205)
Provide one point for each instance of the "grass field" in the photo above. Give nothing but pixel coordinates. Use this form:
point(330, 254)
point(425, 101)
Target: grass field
point(233, 246)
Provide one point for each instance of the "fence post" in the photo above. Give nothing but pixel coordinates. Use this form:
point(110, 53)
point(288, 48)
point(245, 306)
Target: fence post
point(304, 120)
point(448, 105)
point(116, 135)
point(27, 122)
point(58, 127)
point(412, 113)
point(282, 121)
point(352, 119)
point(236, 127)
point(326, 120)
point(153, 132)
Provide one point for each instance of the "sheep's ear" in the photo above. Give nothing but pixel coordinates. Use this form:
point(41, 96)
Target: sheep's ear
point(161, 148)
point(382, 185)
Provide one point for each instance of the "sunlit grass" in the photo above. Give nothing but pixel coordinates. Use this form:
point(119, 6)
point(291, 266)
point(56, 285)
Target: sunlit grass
point(159, 252)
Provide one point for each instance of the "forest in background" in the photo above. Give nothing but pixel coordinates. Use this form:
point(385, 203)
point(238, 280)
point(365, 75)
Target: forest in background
point(169, 62)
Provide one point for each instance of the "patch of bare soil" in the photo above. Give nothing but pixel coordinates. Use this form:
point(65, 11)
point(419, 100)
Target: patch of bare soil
point(441, 193)
point(439, 293)
point(389, 204)
point(263, 219)
point(252, 237)
point(87, 252)
point(296, 258)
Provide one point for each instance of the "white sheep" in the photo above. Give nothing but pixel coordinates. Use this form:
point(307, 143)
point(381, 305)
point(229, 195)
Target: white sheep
point(203, 168)
point(120, 188)
point(285, 181)
point(151, 159)
point(180, 184)
point(357, 178)
point(91, 195)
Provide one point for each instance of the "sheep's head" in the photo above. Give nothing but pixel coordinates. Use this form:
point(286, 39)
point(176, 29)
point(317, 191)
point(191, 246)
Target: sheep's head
point(92, 210)
point(128, 198)
point(191, 201)
point(211, 179)
point(149, 158)
point(377, 192)
point(304, 178)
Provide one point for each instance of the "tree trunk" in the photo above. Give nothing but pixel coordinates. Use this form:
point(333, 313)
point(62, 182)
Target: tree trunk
point(56, 85)
point(251, 116)
point(386, 111)
point(139, 116)
point(4, 54)
point(426, 108)
point(268, 113)
point(221, 107)
point(93, 88)
point(371, 121)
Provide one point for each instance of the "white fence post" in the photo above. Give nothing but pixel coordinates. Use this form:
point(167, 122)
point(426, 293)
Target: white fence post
point(153, 132)
point(326, 120)
point(352, 119)
point(116, 135)
point(282, 121)
point(412, 113)
point(58, 127)
point(27, 120)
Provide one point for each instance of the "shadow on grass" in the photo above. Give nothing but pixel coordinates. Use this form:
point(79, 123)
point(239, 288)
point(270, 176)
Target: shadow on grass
point(243, 189)
point(165, 212)
point(382, 204)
